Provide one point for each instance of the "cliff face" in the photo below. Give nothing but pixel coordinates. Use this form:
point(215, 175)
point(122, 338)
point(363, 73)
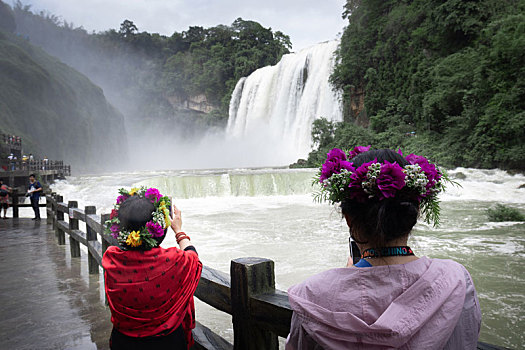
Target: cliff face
point(198, 103)
point(59, 112)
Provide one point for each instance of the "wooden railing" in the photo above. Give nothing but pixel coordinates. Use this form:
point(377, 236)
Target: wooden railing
point(260, 313)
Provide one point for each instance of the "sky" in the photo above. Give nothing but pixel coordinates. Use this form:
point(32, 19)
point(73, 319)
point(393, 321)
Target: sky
point(307, 22)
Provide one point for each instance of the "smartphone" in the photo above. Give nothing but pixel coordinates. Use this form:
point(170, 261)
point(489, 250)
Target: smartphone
point(355, 253)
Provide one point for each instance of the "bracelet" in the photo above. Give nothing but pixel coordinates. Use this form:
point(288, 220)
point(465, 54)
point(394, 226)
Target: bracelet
point(182, 237)
point(180, 233)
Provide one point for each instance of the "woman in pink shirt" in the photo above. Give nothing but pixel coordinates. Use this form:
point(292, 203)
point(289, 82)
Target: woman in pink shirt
point(391, 298)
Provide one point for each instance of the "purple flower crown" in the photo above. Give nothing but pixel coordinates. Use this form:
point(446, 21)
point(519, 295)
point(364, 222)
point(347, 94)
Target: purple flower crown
point(420, 180)
point(145, 236)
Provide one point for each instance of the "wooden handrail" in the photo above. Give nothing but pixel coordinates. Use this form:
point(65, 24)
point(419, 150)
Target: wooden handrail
point(260, 312)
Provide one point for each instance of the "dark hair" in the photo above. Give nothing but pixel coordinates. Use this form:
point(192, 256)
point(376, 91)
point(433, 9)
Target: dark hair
point(33, 175)
point(378, 222)
point(134, 213)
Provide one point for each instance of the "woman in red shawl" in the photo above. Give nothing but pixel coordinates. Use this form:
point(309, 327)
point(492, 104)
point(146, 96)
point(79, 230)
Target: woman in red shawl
point(149, 289)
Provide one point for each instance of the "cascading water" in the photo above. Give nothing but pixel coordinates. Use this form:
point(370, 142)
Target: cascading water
point(282, 101)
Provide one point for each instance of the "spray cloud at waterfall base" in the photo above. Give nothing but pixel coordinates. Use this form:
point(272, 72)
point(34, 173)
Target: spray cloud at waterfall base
point(270, 118)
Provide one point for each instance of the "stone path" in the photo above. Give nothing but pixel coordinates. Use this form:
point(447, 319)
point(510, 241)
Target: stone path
point(47, 299)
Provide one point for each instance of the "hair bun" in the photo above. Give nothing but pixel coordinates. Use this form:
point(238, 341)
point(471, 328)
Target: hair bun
point(395, 218)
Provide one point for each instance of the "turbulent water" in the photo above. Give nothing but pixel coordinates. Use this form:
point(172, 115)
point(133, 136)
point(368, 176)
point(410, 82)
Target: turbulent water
point(270, 213)
point(282, 101)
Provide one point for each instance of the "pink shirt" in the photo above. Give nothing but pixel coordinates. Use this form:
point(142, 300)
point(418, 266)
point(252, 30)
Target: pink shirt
point(423, 304)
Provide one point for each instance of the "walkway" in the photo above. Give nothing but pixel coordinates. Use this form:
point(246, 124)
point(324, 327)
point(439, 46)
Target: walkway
point(47, 299)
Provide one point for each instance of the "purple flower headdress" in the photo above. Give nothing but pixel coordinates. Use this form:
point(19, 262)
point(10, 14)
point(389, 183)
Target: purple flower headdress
point(145, 236)
point(420, 180)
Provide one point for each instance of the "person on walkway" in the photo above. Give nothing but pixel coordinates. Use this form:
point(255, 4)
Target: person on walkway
point(11, 159)
point(149, 289)
point(4, 198)
point(34, 191)
point(24, 161)
point(391, 298)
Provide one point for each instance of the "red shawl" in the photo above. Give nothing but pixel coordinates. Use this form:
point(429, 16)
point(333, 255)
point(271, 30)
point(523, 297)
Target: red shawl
point(151, 292)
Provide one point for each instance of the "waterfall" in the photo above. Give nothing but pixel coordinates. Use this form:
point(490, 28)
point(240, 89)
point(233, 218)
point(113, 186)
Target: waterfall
point(235, 183)
point(281, 101)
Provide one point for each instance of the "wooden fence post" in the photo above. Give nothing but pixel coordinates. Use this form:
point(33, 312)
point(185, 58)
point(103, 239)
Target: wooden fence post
point(53, 209)
point(74, 245)
point(49, 208)
point(61, 238)
point(91, 235)
point(250, 276)
point(103, 219)
point(14, 201)
point(105, 246)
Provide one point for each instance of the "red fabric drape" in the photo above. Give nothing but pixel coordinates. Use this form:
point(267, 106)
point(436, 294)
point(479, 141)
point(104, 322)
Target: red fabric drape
point(151, 292)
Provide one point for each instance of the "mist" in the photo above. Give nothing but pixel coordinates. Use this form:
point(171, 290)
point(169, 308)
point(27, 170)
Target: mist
point(272, 126)
point(212, 150)
point(151, 123)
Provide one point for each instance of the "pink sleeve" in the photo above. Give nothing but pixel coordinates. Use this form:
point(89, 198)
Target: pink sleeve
point(466, 332)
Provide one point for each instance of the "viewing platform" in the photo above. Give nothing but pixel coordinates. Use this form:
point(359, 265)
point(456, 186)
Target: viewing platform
point(16, 166)
point(52, 296)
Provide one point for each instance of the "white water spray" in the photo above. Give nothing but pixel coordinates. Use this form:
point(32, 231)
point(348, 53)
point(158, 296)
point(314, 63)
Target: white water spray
point(285, 99)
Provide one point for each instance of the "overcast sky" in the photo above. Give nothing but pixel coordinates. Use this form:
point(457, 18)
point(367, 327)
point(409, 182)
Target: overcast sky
point(307, 22)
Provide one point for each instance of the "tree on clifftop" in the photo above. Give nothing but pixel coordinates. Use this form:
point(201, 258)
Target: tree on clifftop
point(127, 29)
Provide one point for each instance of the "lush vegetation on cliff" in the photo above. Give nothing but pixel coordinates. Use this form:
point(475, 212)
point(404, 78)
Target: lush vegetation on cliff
point(442, 78)
point(149, 76)
point(56, 110)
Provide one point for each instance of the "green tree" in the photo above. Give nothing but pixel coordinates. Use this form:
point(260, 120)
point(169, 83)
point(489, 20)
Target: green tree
point(127, 29)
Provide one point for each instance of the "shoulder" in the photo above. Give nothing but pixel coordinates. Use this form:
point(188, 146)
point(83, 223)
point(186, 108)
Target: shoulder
point(328, 282)
point(111, 253)
point(449, 267)
point(179, 254)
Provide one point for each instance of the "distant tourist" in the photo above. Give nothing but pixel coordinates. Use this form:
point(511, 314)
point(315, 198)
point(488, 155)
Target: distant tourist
point(45, 161)
point(31, 158)
point(24, 161)
point(4, 198)
point(11, 159)
point(390, 298)
point(149, 289)
point(34, 191)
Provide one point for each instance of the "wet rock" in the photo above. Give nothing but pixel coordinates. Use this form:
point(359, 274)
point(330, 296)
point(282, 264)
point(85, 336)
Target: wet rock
point(521, 186)
point(460, 176)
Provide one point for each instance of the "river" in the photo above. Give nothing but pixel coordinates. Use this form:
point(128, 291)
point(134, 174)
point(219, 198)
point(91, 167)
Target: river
point(270, 213)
